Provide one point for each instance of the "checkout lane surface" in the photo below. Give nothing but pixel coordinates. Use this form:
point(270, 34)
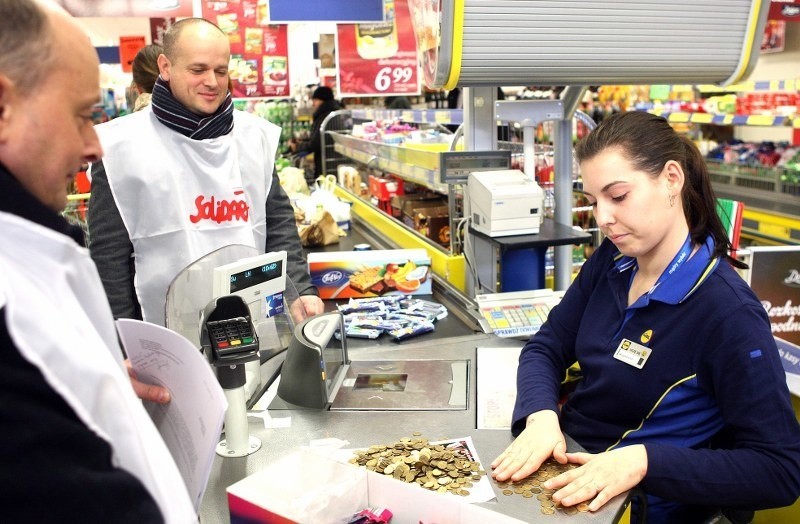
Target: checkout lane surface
point(364, 428)
point(453, 339)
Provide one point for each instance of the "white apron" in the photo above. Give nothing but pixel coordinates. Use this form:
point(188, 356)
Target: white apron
point(58, 316)
point(181, 199)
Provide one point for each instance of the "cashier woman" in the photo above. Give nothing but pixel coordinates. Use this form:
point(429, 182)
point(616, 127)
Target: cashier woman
point(683, 393)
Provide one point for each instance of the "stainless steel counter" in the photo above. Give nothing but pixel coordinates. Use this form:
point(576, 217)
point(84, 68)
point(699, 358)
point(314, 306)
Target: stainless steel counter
point(362, 429)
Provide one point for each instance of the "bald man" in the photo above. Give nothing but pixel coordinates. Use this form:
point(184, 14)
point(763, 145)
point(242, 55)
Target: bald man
point(186, 177)
point(76, 445)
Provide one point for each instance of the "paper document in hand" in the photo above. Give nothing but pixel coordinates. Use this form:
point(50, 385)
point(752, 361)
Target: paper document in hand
point(191, 422)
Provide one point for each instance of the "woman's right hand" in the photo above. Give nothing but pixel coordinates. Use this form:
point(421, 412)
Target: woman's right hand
point(541, 439)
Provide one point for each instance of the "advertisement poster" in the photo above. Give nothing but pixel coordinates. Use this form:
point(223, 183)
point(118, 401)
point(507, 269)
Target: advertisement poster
point(259, 51)
point(775, 279)
point(380, 58)
point(140, 8)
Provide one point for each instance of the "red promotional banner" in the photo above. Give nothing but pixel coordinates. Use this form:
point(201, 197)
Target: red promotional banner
point(259, 51)
point(379, 59)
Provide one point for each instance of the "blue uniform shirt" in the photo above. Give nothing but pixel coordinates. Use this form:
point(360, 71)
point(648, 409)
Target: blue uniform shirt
point(713, 372)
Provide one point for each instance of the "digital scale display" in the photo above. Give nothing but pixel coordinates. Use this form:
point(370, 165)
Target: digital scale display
point(256, 275)
point(455, 166)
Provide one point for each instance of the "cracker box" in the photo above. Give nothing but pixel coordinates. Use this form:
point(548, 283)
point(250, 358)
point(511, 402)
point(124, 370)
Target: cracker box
point(307, 487)
point(358, 274)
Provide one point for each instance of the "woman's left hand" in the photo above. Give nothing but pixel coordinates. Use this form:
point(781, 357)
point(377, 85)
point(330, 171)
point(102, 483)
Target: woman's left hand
point(601, 477)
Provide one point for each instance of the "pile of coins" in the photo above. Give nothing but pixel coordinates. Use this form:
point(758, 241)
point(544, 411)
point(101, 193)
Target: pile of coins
point(414, 460)
point(533, 487)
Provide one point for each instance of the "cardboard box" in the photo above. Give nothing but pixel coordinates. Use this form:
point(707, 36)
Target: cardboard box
point(358, 274)
point(309, 487)
point(434, 223)
point(412, 207)
point(398, 201)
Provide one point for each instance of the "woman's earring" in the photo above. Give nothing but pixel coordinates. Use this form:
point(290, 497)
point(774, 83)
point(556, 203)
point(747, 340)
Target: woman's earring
point(672, 200)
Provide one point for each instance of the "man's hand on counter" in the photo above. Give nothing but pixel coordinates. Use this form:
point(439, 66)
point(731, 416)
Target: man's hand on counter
point(144, 391)
point(541, 439)
point(306, 306)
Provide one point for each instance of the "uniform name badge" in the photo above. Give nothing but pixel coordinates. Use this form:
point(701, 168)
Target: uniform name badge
point(632, 353)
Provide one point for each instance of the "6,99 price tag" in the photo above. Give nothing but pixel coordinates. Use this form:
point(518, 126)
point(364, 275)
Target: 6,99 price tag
point(388, 76)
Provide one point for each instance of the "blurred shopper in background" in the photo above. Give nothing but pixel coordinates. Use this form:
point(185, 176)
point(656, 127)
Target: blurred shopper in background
point(145, 73)
point(324, 104)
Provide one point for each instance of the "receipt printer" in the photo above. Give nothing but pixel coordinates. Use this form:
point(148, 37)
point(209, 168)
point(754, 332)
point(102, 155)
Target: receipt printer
point(504, 203)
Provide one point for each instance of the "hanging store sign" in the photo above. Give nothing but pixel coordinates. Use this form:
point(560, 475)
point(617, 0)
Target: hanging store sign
point(128, 47)
point(143, 8)
point(787, 11)
point(259, 64)
point(379, 59)
point(352, 11)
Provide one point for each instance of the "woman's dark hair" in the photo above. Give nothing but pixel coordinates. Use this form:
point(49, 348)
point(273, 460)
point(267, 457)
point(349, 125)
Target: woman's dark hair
point(145, 67)
point(649, 142)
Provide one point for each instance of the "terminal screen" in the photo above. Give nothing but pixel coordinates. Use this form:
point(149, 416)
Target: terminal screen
point(257, 275)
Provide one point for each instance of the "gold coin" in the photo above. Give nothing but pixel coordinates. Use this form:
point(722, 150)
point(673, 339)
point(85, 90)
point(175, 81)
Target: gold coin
point(547, 504)
point(518, 491)
point(527, 494)
point(417, 433)
point(571, 510)
point(507, 492)
point(543, 497)
point(583, 507)
point(548, 511)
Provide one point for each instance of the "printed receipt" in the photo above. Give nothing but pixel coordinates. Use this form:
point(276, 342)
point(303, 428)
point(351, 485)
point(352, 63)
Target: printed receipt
point(191, 422)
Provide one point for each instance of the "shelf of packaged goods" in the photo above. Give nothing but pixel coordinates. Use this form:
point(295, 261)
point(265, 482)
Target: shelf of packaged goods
point(747, 87)
point(417, 116)
point(770, 180)
point(730, 119)
point(417, 163)
point(451, 268)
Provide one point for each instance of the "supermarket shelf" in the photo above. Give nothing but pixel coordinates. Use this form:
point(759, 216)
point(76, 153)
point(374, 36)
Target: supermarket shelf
point(729, 120)
point(451, 268)
point(419, 116)
point(745, 87)
point(420, 166)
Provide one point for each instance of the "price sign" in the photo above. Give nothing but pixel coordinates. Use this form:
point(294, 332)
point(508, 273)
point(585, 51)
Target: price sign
point(380, 58)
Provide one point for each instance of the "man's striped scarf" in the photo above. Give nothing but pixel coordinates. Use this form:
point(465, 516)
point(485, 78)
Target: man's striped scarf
point(175, 116)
